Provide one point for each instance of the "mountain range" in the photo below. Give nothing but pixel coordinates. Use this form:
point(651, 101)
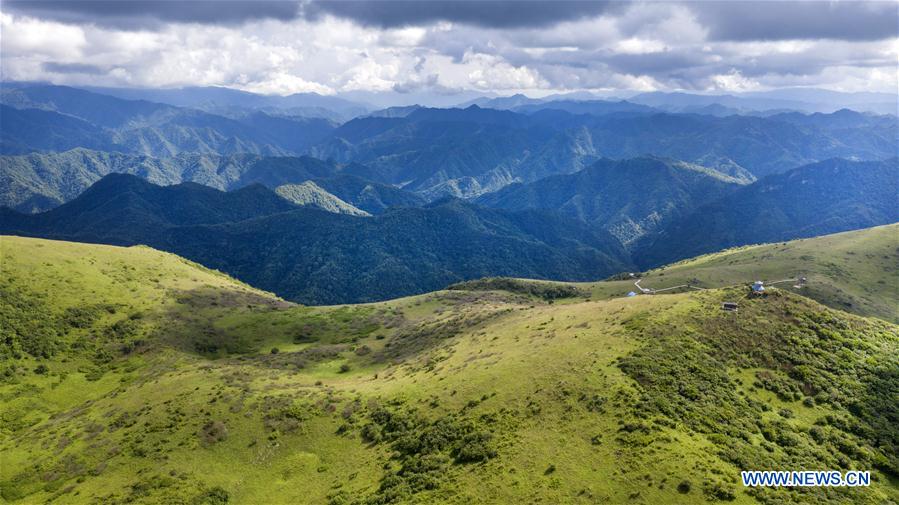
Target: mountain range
point(41, 119)
point(588, 225)
point(369, 209)
point(816, 199)
point(629, 198)
point(436, 152)
point(314, 256)
point(474, 151)
point(805, 100)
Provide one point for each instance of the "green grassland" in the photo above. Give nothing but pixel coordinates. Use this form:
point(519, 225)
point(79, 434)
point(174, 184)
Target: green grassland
point(130, 375)
point(856, 271)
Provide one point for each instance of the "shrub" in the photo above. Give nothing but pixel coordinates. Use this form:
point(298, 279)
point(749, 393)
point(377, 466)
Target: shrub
point(80, 317)
point(475, 447)
point(344, 368)
point(213, 496)
point(213, 431)
point(684, 487)
point(549, 291)
point(41, 369)
point(719, 491)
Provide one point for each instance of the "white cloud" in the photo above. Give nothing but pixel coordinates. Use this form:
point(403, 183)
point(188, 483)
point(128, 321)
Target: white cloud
point(734, 81)
point(645, 46)
point(29, 36)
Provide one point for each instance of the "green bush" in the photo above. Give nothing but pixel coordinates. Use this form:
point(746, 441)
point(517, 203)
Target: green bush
point(549, 291)
point(213, 496)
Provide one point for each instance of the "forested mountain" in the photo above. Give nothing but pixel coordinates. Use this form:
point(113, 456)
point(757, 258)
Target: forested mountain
point(663, 210)
point(30, 130)
point(231, 101)
point(314, 256)
point(594, 107)
point(124, 209)
point(569, 169)
point(826, 197)
point(433, 152)
point(473, 151)
point(629, 198)
point(803, 100)
point(142, 127)
point(310, 194)
point(36, 182)
point(371, 197)
point(98, 109)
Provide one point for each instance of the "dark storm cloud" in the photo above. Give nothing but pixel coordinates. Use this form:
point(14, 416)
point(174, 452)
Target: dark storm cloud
point(72, 68)
point(655, 63)
point(736, 20)
point(486, 13)
point(130, 14)
point(133, 14)
point(781, 20)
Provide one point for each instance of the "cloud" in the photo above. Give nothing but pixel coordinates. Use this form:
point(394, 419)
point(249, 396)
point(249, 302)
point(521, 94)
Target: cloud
point(741, 20)
point(137, 14)
point(638, 45)
point(72, 68)
point(484, 13)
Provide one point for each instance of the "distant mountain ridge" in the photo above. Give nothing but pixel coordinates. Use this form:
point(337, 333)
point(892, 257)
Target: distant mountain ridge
point(470, 152)
point(827, 197)
point(226, 100)
point(314, 256)
point(804, 100)
point(38, 182)
point(434, 153)
point(629, 198)
point(143, 127)
point(563, 228)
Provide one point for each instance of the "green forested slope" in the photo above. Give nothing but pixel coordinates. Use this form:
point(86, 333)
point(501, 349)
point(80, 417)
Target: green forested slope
point(827, 197)
point(38, 182)
point(311, 194)
point(629, 198)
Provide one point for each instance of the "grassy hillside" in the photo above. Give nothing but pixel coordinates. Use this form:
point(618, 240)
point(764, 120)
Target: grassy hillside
point(133, 376)
point(855, 271)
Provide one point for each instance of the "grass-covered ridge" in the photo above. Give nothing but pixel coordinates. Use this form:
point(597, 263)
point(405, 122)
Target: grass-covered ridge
point(169, 383)
point(856, 271)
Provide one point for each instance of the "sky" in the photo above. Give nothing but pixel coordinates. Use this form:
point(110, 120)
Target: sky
point(448, 48)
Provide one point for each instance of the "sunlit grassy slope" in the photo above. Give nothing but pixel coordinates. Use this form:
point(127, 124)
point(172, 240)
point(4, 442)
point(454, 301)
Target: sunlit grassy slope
point(856, 271)
point(133, 376)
